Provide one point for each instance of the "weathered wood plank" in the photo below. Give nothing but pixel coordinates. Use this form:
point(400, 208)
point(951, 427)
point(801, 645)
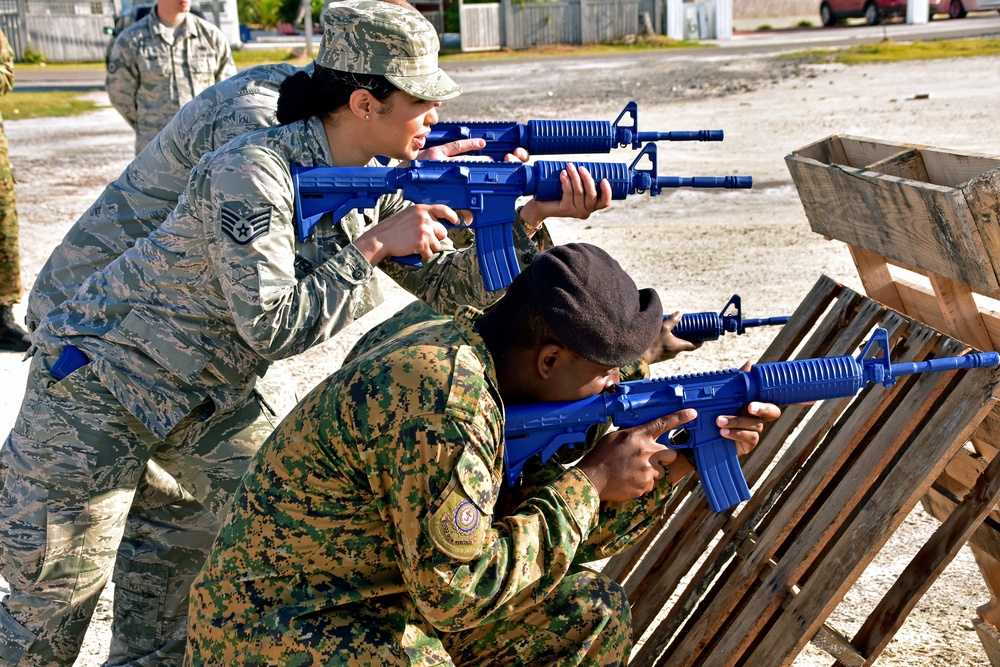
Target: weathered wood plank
point(989, 566)
point(829, 150)
point(876, 277)
point(840, 333)
point(928, 563)
point(908, 164)
point(990, 639)
point(861, 151)
point(921, 304)
point(985, 540)
point(717, 614)
point(838, 646)
point(921, 224)
point(629, 569)
point(960, 312)
point(982, 196)
point(922, 460)
point(953, 169)
point(962, 473)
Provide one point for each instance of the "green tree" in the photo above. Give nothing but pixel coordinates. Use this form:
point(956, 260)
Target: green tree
point(265, 14)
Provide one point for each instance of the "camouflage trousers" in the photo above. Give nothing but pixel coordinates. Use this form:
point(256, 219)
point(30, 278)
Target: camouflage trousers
point(10, 264)
point(89, 491)
point(584, 621)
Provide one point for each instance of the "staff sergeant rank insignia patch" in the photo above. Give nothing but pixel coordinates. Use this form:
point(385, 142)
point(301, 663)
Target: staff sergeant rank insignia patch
point(241, 229)
point(456, 527)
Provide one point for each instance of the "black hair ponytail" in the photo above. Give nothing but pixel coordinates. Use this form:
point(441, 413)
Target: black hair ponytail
point(302, 96)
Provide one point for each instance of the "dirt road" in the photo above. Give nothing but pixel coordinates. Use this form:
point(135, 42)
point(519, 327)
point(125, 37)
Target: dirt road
point(696, 247)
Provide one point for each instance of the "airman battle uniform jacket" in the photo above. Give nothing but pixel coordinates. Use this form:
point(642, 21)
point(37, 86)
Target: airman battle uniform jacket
point(142, 197)
point(202, 304)
point(154, 70)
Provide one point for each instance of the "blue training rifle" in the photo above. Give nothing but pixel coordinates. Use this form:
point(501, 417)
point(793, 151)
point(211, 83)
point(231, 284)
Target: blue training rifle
point(701, 327)
point(488, 189)
point(560, 137)
point(544, 428)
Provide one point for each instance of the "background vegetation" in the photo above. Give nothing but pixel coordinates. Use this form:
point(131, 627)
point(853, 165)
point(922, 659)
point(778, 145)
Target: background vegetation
point(265, 14)
point(15, 106)
point(889, 51)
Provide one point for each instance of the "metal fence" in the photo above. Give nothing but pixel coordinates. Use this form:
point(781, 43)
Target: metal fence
point(608, 21)
point(63, 31)
point(13, 27)
point(436, 19)
point(537, 24)
point(516, 24)
point(480, 26)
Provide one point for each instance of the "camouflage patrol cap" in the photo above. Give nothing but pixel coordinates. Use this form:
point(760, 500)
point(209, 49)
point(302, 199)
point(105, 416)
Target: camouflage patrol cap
point(377, 37)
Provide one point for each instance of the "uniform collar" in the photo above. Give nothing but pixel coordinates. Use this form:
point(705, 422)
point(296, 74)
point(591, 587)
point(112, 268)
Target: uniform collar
point(167, 33)
point(316, 139)
point(465, 323)
point(322, 154)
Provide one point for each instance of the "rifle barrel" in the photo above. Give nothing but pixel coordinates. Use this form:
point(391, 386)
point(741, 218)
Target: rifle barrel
point(765, 321)
point(974, 360)
point(728, 182)
point(681, 135)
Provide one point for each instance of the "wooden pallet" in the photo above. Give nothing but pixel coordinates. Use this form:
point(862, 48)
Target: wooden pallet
point(923, 227)
point(831, 483)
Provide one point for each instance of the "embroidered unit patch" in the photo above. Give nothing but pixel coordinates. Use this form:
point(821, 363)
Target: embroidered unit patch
point(457, 528)
point(243, 230)
point(466, 517)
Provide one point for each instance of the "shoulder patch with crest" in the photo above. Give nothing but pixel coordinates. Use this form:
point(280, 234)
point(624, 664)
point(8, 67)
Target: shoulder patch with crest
point(242, 229)
point(457, 527)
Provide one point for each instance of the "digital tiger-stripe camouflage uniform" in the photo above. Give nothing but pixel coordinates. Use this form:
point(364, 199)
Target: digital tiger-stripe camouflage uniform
point(142, 197)
point(368, 530)
point(159, 552)
point(175, 331)
point(155, 69)
point(146, 192)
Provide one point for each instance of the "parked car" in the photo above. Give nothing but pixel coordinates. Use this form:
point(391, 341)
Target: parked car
point(957, 9)
point(873, 11)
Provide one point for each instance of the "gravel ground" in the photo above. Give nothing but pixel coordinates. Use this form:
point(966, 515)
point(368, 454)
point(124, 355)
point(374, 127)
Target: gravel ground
point(696, 247)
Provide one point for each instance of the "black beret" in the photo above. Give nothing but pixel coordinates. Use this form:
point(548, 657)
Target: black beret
point(592, 305)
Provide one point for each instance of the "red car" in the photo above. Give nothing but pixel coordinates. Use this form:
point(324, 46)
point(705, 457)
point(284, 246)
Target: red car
point(873, 11)
point(957, 9)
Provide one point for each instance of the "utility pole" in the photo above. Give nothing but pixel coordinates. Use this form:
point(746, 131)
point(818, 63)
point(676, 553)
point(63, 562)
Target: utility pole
point(305, 10)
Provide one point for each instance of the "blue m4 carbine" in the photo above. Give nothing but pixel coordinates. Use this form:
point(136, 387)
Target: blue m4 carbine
point(546, 427)
point(560, 137)
point(488, 189)
point(701, 327)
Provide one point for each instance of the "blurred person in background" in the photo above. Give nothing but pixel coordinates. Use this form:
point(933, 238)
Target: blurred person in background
point(161, 62)
point(12, 337)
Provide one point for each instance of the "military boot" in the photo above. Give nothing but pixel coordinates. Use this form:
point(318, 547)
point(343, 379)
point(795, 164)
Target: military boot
point(12, 337)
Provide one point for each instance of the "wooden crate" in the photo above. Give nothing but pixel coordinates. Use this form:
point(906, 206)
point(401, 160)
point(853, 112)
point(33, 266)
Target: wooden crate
point(925, 208)
point(934, 214)
point(837, 490)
